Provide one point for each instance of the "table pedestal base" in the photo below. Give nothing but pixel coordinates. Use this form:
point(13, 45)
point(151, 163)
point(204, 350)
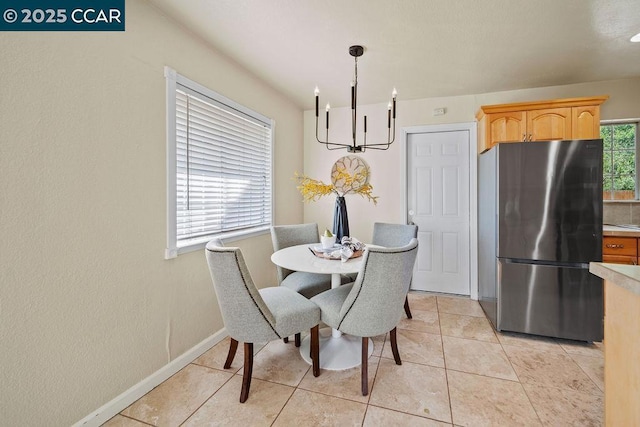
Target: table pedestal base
point(336, 353)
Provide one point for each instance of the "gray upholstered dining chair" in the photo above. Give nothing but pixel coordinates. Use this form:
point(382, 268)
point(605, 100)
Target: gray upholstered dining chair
point(372, 305)
point(251, 315)
point(391, 236)
point(306, 284)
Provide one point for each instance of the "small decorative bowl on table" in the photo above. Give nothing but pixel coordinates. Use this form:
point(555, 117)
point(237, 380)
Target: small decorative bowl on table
point(328, 242)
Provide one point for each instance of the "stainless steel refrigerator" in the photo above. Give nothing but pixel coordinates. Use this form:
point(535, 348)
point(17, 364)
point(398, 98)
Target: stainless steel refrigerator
point(540, 224)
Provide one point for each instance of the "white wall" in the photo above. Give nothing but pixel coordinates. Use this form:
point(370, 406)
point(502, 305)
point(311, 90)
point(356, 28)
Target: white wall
point(88, 305)
point(386, 166)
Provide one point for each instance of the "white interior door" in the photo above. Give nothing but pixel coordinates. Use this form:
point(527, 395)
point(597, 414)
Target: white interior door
point(438, 166)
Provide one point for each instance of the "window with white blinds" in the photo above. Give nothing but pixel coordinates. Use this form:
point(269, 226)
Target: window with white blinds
point(222, 168)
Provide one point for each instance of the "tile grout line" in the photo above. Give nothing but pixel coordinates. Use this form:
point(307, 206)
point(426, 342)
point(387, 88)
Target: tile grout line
point(524, 390)
point(208, 398)
point(288, 399)
point(444, 360)
point(564, 352)
point(373, 383)
point(134, 419)
point(196, 410)
point(222, 385)
point(585, 372)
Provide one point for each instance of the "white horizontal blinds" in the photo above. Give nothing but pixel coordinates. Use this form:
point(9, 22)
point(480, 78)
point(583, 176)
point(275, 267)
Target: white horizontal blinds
point(223, 168)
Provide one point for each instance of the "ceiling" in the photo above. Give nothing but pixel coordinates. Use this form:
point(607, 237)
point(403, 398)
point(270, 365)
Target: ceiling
point(423, 48)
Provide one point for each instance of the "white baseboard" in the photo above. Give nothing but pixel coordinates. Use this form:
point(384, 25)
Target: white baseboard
point(115, 406)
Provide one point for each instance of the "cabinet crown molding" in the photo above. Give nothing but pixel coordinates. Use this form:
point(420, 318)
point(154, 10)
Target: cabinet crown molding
point(538, 105)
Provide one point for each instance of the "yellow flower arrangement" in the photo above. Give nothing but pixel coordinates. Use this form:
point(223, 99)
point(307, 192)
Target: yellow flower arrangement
point(312, 189)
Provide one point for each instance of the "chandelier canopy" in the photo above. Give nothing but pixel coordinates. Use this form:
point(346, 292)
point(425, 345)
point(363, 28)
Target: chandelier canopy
point(357, 51)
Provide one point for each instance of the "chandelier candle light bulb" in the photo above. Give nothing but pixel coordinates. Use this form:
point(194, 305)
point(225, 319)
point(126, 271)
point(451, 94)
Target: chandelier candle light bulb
point(353, 95)
point(327, 110)
point(394, 94)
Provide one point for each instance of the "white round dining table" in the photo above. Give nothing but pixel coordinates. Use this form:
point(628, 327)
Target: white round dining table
point(337, 351)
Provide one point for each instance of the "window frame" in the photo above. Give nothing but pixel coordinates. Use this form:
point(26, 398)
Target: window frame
point(173, 79)
point(636, 122)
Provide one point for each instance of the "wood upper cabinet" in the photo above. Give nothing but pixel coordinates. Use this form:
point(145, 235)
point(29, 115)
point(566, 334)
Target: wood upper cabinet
point(585, 122)
point(572, 118)
point(507, 127)
point(549, 124)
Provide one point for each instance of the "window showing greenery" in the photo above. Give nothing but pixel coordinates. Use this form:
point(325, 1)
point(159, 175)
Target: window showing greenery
point(619, 161)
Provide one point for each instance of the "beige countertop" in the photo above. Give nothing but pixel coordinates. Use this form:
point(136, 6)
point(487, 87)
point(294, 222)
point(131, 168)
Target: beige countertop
point(625, 276)
point(612, 230)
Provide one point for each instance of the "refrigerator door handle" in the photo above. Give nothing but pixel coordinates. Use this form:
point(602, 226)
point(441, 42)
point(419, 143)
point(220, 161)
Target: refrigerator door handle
point(582, 265)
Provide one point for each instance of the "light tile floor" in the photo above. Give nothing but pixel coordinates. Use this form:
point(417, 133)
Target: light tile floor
point(456, 371)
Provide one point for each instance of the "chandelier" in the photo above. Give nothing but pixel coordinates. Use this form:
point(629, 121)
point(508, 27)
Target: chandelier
point(357, 51)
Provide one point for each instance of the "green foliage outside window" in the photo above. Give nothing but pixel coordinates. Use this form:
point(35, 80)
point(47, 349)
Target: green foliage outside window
point(619, 161)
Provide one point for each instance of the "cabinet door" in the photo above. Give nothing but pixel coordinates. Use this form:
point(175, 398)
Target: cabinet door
point(585, 122)
point(506, 127)
point(549, 124)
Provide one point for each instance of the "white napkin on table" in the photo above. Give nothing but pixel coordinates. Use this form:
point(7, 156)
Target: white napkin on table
point(350, 245)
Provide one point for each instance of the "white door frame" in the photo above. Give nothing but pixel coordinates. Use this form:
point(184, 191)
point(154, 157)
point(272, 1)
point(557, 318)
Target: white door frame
point(471, 127)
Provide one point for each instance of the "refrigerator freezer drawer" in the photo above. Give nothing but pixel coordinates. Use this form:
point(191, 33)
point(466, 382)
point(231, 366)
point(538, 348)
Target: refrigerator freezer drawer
point(554, 301)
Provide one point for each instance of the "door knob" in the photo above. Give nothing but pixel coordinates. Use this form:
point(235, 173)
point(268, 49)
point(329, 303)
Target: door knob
point(411, 212)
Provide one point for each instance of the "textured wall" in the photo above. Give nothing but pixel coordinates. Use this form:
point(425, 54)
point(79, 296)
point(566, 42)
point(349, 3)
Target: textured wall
point(88, 305)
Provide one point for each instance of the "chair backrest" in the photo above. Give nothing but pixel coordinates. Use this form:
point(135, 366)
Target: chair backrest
point(374, 305)
point(245, 314)
point(393, 235)
point(284, 236)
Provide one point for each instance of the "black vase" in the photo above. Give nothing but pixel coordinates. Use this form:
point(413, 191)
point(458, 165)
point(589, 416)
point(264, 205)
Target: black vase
point(340, 219)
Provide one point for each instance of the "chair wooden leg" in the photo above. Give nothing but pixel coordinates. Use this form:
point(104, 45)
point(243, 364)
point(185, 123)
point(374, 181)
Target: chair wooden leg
point(233, 346)
point(315, 350)
point(248, 370)
point(297, 336)
point(285, 339)
point(394, 346)
point(407, 310)
point(365, 366)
